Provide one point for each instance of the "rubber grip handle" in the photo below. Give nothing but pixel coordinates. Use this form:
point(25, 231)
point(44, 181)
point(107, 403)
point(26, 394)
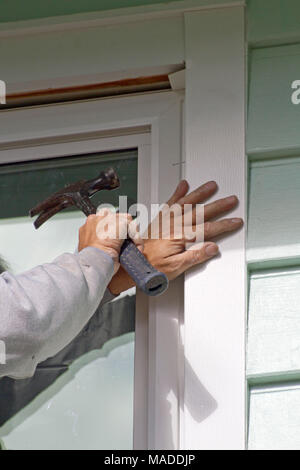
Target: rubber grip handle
point(146, 277)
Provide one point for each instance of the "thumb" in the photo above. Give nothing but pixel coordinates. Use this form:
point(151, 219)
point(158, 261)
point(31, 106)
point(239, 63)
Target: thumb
point(192, 257)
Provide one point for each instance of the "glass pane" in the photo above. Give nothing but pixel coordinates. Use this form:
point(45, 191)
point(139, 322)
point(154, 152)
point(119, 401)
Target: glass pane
point(83, 397)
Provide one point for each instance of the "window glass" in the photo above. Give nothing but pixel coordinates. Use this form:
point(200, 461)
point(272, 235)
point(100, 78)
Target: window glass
point(83, 397)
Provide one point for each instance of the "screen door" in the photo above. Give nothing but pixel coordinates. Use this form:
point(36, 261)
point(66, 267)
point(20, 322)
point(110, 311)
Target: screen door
point(83, 397)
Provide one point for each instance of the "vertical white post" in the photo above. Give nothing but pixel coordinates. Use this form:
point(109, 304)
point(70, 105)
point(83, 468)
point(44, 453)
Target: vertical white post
point(215, 295)
point(2, 92)
point(2, 352)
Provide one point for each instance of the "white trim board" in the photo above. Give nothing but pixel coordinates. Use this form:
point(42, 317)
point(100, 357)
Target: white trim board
point(40, 54)
point(215, 295)
point(49, 60)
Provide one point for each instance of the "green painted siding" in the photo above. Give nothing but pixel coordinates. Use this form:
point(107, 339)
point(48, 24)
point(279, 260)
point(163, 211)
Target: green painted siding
point(274, 210)
point(274, 323)
point(274, 422)
point(273, 120)
point(273, 145)
point(16, 10)
point(273, 21)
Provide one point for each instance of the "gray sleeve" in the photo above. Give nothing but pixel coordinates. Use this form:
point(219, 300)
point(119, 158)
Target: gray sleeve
point(42, 310)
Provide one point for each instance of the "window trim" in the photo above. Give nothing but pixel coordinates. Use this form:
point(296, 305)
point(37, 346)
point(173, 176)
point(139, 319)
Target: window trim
point(145, 125)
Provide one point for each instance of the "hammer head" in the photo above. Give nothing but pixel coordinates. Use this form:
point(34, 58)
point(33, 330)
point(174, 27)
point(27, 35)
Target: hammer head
point(76, 194)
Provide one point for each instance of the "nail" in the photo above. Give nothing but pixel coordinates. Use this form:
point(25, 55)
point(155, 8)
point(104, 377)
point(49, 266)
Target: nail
point(210, 185)
point(236, 221)
point(182, 184)
point(211, 250)
point(232, 199)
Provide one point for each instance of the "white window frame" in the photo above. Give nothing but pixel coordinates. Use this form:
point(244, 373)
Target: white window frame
point(196, 380)
point(152, 124)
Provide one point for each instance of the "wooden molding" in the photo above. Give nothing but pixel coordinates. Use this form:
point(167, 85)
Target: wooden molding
point(95, 90)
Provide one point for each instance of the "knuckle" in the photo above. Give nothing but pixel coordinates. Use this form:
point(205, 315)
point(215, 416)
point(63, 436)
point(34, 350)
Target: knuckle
point(207, 228)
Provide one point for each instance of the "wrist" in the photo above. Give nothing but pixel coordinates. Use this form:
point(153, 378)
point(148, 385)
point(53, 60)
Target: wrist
point(109, 251)
point(120, 282)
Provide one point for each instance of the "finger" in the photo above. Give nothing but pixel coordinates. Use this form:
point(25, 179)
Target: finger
point(180, 192)
point(216, 208)
point(219, 227)
point(200, 194)
point(137, 240)
point(123, 221)
point(134, 233)
point(192, 257)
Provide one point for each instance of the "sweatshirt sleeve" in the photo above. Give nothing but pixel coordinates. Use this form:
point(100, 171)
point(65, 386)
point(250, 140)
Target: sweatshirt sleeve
point(43, 309)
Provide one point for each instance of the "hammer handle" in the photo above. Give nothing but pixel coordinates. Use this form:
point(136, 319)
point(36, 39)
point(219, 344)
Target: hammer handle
point(146, 277)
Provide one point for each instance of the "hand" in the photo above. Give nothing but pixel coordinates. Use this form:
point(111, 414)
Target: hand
point(107, 231)
point(169, 255)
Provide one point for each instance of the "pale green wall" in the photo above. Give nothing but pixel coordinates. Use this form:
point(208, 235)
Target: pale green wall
point(273, 21)
point(15, 10)
point(273, 145)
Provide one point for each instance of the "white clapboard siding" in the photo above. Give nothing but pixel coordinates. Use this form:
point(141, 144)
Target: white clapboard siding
point(273, 120)
point(274, 323)
point(274, 210)
point(274, 422)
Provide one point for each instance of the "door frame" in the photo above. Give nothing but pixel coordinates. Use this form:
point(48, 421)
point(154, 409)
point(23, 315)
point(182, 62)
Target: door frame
point(152, 124)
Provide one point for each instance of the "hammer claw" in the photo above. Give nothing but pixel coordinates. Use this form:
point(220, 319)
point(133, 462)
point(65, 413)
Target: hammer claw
point(46, 214)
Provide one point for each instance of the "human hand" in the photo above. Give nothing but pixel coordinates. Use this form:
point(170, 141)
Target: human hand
point(170, 255)
point(107, 231)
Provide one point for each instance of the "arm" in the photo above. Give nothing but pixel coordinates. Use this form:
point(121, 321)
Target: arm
point(44, 309)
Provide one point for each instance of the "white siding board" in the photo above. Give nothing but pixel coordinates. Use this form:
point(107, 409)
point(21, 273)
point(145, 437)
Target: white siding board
point(273, 120)
point(274, 422)
point(274, 211)
point(274, 323)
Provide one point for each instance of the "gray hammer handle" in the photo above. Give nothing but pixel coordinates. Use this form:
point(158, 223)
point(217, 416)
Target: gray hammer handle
point(151, 281)
point(146, 277)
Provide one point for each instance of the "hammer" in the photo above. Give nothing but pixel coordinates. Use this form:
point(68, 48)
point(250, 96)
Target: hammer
point(78, 194)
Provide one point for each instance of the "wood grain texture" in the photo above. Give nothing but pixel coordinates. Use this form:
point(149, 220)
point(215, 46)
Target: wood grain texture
point(274, 422)
point(274, 210)
point(274, 323)
point(273, 120)
point(215, 294)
